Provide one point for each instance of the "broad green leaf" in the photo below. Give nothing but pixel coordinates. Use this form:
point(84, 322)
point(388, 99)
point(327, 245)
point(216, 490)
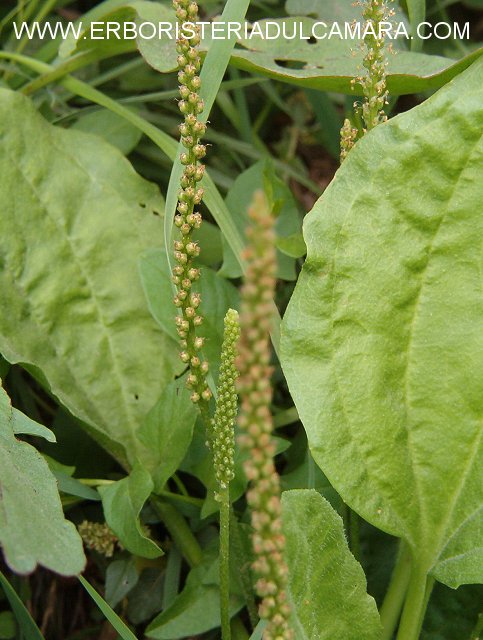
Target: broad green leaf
point(217, 296)
point(124, 632)
point(212, 197)
point(25, 621)
point(122, 502)
point(121, 577)
point(382, 342)
point(114, 129)
point(71, 200)
point(29, 495)
point(197, 608)
point(167, 432)
point(327, 586)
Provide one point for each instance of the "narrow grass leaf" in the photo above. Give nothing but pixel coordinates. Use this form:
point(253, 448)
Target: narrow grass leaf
point(25, 621)
point(109, 614)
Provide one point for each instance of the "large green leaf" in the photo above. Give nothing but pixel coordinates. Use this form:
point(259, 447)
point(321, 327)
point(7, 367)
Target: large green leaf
point(327, 585)
point(33, 529)
point(382, 341)
point(75, 219)
point(326, 64)
point(122, 502)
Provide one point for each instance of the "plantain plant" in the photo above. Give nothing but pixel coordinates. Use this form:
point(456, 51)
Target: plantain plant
point(320, 479)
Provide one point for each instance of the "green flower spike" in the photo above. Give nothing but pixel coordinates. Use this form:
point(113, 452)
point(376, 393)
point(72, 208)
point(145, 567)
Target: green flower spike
point(187, 218)
point(373, 83)
point(348, 137)
point(256, 422)
point(223, 435)
point(222, 444)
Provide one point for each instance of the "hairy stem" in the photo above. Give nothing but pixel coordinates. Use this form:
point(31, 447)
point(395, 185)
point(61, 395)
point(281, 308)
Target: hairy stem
point(224, 498)
point(393, 602)
point(419, 590)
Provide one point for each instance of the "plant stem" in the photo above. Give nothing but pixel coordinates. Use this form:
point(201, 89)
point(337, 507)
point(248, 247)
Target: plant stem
point(224, 497)
point(179, 531)
point(393, 602)
point(95, 482)
point(417, 597)
point(196, 502)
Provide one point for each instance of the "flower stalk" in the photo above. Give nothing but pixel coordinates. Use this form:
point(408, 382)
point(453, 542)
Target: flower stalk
point(188, 218)
point(223, 447)
point(256, 422)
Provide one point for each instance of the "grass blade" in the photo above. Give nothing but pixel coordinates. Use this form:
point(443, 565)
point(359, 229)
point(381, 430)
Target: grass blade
point(25, 621)
point(109, 614)
point(257, 634)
